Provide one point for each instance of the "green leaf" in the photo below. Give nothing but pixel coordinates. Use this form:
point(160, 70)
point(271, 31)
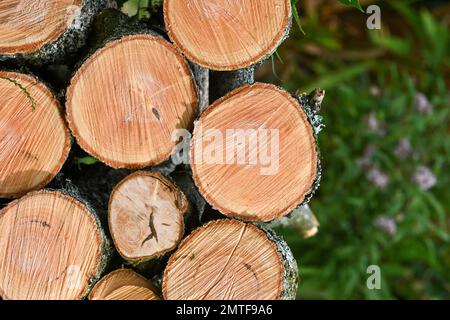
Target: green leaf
point(137, 8)
point(25, 91)
point(87, 161)
point(296, 15)
point(354, 3)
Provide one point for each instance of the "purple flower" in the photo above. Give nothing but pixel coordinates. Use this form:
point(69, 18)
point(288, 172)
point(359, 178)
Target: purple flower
point(403, 149)
point(422, 104)
point(386, 225)
point(366, 160)
point(378, 178)
point(424, 178)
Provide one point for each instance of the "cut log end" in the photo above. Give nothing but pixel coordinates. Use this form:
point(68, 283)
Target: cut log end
point(254, 154)
point(34, 139)
point(224, 34)
point(146, 216)
point(123, 282)
point(226, 260)
point(132, 293)
point(51, 248)
point(147, 92)
point(28, 25)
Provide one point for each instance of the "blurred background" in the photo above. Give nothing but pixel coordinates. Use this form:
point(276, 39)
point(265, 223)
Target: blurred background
point(385, 194)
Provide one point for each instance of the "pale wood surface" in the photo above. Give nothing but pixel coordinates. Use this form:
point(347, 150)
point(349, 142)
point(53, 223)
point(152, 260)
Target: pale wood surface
point(241, 190)
point(146, 216)
point(34, 139)
point(50, 247)
point(227, 34)
point(132, 293)
point(126, 100)
point(225, 259)
point(118, 279)
point(27, 25)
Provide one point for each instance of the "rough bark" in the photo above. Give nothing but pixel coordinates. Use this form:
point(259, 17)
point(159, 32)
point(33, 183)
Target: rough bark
point(222, 248)
point(67, 43)
point(301, 219)
point(223, 82)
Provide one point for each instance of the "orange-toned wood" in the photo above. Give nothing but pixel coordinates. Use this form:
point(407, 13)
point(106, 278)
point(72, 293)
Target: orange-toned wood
point(132, 293)
point(50, 247)
point(27, 25)
point(34, 139)
point(280, 164)
point(146, 216)
point(227, 34)
point(225, 260)
point(118, 279)
point(127, 99)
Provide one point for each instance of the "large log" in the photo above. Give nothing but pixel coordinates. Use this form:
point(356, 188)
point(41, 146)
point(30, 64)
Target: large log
point(225, 34)
point(34, 139)
point(147, 92)
point(42, 31)
point(52, 246)
point(124, 284)
point(229, 259)
point(254, 154)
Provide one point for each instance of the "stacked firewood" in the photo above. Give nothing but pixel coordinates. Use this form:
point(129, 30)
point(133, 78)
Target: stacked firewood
point(194, 156)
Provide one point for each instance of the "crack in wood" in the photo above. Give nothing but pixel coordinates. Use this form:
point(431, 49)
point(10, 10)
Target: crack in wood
point(153, 233)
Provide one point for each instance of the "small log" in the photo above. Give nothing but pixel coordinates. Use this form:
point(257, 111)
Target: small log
point(118, 279)
point(52, 247)
point(254, 154)
point(34, 138)
point(147, 91)
point(146, 216)
point(227, 35)
point(132, 293)
point(43, 31)
point(228, 260)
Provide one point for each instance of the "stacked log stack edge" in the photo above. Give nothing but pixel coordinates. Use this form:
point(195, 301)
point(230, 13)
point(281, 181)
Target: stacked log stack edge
point(196, 158)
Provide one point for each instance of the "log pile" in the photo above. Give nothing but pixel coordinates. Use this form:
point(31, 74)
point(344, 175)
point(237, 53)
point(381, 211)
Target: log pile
point(218, 155)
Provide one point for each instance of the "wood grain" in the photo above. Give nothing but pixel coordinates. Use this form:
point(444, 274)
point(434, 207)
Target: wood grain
point(132, 293)
point(27, 25)
point(224, 260)
point(227, 34)
point(118, 279)
point(34, 138)
point(146, 216)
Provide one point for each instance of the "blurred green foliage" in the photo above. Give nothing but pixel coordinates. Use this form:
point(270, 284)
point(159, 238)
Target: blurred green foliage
point(383, 87)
